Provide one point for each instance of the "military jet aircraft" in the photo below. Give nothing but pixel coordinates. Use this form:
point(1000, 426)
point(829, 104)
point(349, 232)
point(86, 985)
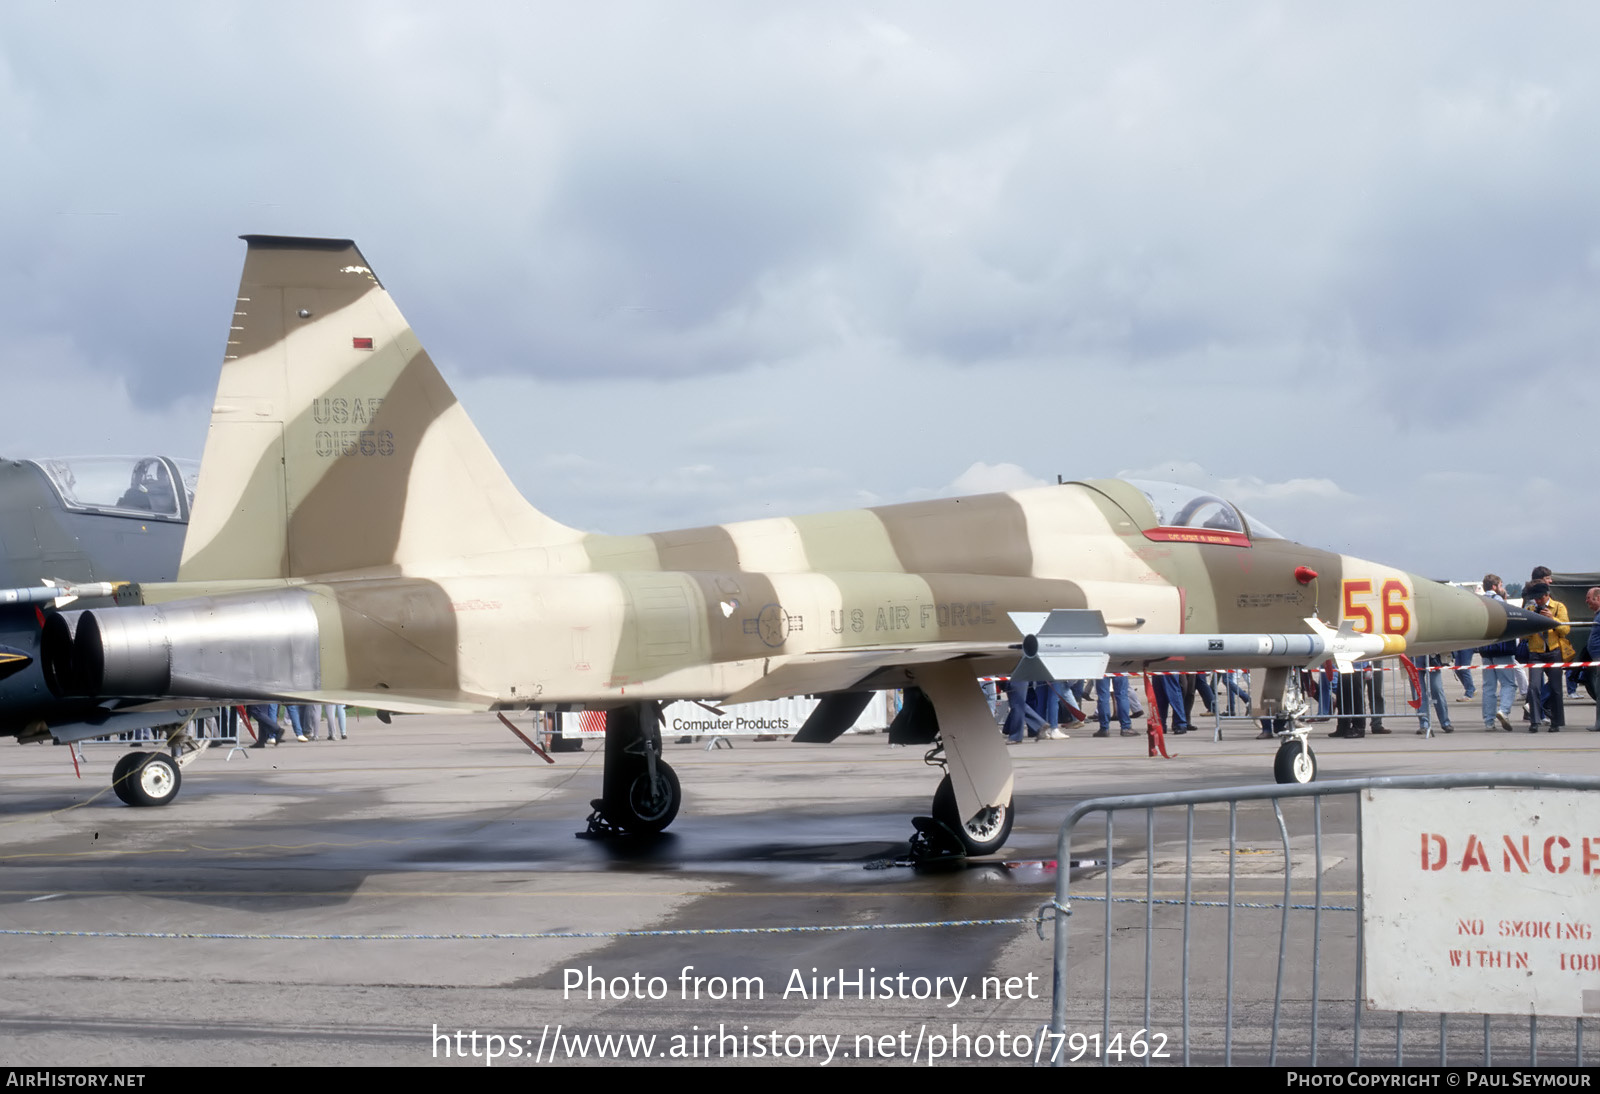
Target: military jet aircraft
point(69, 528)
point(355, 541)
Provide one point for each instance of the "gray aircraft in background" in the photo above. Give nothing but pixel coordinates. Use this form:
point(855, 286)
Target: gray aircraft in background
point(70, 531)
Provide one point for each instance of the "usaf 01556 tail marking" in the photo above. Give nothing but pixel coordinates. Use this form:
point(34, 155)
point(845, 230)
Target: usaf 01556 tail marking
point(324, 568)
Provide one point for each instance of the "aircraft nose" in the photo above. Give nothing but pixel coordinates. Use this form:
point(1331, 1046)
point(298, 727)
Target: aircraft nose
point(1520, 623)
point(1452, 618)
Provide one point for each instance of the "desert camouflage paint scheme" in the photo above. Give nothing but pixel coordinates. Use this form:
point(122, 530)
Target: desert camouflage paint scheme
point(354, 540)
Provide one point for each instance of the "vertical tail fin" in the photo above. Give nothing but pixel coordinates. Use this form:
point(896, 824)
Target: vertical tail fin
point(335, 444)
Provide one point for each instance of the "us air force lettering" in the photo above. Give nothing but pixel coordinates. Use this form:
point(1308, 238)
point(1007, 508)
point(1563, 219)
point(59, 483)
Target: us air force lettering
point(349, 514)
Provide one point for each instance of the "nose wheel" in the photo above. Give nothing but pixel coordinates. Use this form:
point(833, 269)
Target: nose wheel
point(1295, 762)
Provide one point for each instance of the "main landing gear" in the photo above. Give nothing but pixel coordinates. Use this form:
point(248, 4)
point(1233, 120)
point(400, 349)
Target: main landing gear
point(640, 791)
point(973, 807)
point(146, 778)
point(983, 834)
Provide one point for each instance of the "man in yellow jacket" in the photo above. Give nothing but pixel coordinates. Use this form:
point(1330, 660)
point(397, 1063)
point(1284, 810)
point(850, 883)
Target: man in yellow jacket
point(1550, 647)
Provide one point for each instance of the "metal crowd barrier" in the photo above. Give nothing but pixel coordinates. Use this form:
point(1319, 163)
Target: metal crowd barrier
point(1256, 1006)
point(1237, 705)
point(1401, 702)
point(1389, 681)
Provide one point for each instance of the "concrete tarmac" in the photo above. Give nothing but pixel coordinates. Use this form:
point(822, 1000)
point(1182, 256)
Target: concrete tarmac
point(449, 826)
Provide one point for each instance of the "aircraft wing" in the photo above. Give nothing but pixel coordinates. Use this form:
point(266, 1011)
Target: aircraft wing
point(842, 670)
point(1068, 644)
point(394, 702)
point(456, 703)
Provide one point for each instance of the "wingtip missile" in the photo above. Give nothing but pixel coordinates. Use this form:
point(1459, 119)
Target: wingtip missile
point(58, 593)
point(1345, 646)
point(1067, 645)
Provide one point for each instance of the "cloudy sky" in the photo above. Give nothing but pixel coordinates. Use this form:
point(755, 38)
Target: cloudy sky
point(695, 261)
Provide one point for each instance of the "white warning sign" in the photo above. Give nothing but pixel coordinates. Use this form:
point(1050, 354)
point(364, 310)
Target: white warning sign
point(1482, 901)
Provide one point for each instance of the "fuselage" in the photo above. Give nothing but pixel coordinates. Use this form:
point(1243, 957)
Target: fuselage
point(708, 613)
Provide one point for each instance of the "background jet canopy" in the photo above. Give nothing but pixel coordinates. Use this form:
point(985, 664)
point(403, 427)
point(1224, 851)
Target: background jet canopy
point(136, 485)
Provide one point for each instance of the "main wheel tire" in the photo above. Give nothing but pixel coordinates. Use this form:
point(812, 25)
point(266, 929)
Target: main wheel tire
point(1295, 763)
point(984, 834)
point(151, 778)
point(650, 806)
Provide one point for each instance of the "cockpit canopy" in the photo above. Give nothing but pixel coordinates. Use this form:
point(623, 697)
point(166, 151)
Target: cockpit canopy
point(135, 486)
point(1173, 512)
point(1180, 506)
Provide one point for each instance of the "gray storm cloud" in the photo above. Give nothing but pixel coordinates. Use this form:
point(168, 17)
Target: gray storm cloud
point(817, 255)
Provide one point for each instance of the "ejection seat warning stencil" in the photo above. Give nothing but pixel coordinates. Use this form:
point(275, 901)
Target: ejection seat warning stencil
point(1482, 901)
